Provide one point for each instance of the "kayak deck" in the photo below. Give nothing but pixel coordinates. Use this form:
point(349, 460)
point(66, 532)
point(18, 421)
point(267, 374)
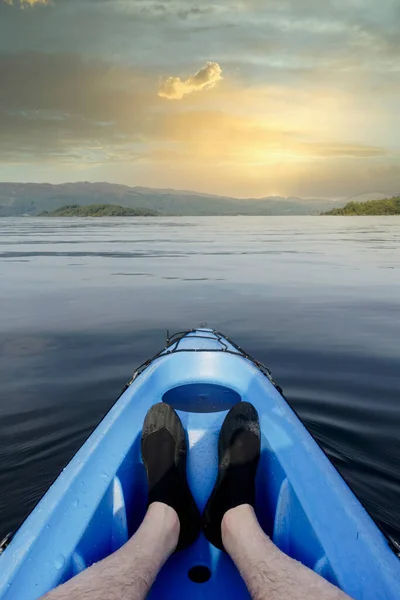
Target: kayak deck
point(100, 498)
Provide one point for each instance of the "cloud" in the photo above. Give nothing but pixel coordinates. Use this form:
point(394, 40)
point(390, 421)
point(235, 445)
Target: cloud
point(243, 141)
point(206, 78)
point(52, 105)
point(26, 3)
point(337, 150)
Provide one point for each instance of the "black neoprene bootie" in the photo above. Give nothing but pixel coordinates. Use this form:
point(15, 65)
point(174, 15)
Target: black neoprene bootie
point(238, 456)
point(164, 453)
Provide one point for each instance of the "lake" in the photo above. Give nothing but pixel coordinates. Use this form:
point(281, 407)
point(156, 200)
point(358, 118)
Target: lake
point(84, 301)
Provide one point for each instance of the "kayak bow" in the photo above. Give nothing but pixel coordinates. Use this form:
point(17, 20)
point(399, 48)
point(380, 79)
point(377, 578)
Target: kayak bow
point(99, 499)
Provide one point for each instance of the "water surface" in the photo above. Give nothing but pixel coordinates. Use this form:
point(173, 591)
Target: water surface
point(83, 301)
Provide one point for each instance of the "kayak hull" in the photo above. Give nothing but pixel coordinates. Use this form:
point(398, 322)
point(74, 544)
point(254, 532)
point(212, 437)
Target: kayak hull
point(99, 499)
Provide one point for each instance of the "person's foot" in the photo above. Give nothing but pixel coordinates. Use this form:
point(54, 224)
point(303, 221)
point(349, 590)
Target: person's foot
point(164, 455)
point(238, 456)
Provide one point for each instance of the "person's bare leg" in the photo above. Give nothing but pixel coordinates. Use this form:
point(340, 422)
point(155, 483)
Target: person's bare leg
point(172, 521)
point(128, 573)
point(268, 572)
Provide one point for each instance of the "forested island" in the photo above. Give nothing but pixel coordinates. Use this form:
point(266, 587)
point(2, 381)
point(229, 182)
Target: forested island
point(387, 206)
point(98, 210)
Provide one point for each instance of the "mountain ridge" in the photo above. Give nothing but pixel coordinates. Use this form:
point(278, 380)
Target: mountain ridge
point(18, 199)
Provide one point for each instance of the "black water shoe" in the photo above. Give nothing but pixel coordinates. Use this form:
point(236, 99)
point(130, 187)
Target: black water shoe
point(164, 453)
point(238, 456)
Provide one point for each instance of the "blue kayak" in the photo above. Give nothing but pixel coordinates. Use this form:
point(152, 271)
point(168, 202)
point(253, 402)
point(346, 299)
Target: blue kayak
point(99, 499)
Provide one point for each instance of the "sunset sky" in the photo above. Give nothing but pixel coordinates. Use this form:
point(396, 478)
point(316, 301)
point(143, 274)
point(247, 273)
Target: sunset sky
point(244, 98)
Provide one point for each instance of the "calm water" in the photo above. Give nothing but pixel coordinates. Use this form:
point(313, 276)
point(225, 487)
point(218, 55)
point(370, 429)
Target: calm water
point(84, 301)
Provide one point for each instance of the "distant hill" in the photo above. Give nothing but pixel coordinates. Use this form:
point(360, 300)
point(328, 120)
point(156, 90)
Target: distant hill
point(17, 199)
point(365, 196)
point(97, 210)
point(387, 206)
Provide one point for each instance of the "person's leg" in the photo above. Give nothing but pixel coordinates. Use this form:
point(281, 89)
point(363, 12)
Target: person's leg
point(128, 573)
point(230, 523)
point(268, 572)
point(172, 521)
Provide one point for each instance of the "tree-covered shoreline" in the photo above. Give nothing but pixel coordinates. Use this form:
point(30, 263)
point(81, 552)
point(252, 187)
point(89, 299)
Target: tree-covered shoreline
point(98, 210)
point(386, 206)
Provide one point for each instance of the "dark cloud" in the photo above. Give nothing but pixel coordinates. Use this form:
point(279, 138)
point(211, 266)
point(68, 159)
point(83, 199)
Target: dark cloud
point(50, 104)
point(94, 89)
point(336, 35)
point(26, 3)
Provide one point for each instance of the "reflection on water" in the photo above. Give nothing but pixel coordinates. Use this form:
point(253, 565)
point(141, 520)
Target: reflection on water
point(83, 301)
